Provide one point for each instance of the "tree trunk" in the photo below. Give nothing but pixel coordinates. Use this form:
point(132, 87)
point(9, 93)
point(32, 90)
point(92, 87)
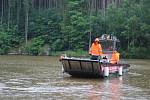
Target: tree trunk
point(9, 6)
point(26, 20)
point(2, 13)
point(39, 6)
point(18, 13)
point(91, 5)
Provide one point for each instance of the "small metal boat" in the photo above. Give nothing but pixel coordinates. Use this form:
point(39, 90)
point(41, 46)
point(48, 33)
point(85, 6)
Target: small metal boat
point(85, 67)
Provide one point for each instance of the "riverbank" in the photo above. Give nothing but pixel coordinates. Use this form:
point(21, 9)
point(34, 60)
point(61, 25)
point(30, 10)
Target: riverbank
point(79, 53)
point(82, 53)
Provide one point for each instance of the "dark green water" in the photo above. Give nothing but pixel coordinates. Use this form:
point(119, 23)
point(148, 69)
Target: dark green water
point(40, 78)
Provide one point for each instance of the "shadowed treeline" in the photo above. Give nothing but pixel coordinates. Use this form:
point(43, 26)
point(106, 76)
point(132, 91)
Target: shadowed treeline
point(44, 26)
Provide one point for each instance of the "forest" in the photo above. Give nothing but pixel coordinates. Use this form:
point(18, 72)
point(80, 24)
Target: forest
point(35, 27)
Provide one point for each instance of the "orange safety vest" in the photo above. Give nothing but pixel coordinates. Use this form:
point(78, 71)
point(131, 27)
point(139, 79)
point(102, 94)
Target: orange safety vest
point(115, 57)
point(95, 49)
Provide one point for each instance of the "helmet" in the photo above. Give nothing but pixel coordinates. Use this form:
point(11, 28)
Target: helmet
point(96, 40)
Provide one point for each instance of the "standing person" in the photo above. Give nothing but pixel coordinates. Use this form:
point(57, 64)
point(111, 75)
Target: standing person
point(95, 50)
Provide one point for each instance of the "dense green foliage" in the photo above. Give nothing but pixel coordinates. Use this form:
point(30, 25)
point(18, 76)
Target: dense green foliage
point(67, 26)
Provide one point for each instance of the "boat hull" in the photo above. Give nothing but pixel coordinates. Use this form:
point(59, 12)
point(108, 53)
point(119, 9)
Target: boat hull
point(80, 67)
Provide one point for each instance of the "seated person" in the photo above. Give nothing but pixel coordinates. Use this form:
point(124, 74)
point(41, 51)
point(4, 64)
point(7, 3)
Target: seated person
point(115, 57)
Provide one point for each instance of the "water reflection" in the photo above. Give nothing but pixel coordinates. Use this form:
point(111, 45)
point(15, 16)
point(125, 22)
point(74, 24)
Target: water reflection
point(108, 89)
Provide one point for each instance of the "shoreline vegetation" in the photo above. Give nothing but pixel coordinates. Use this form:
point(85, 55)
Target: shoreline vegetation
point(77, 53)
point(53, 27)
point(69, 53)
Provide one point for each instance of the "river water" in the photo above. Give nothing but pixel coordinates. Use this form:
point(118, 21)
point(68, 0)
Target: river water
point(40, 78)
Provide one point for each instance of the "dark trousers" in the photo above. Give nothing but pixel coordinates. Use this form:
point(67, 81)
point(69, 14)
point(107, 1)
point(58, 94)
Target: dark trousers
point(93, 57)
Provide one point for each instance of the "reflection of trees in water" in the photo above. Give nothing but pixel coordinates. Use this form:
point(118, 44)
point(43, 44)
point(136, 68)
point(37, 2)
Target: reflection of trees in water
point(109, 89)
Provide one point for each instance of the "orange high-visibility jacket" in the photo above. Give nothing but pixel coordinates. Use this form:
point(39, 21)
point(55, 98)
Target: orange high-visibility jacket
point(115, 57)
point(95, 49)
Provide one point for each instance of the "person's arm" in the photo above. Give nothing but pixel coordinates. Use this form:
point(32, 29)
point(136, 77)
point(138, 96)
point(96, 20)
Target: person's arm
point(100, 49)
point(90, 50)
point(117, 56)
